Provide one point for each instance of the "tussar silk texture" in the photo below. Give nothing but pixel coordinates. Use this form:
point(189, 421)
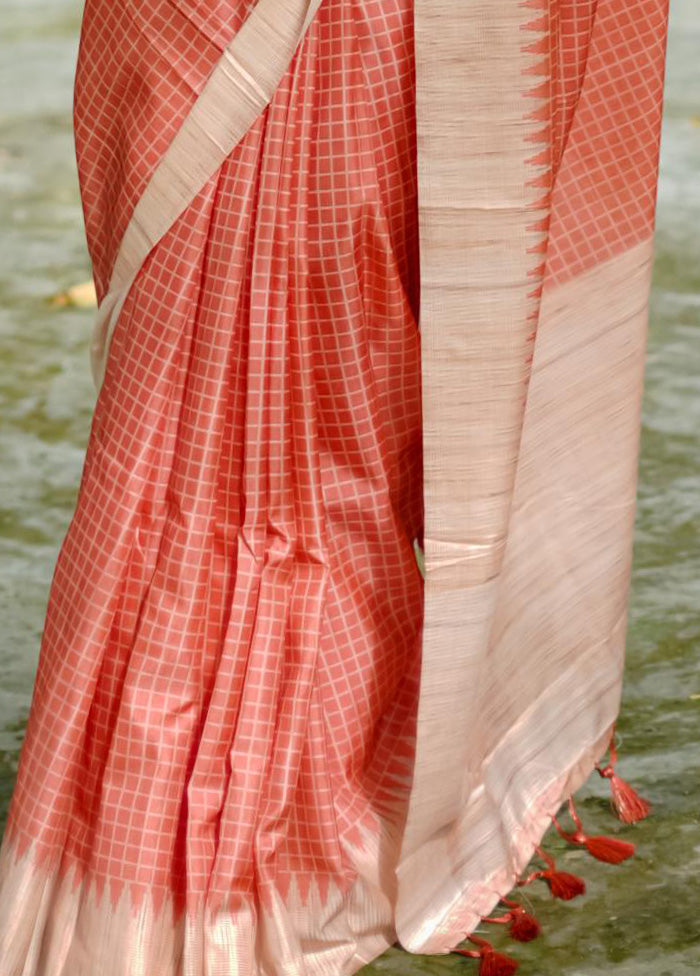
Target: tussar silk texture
point(372, 277)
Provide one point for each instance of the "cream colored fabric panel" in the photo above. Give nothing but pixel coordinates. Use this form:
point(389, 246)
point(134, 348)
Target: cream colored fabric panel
point(475, 303)
point(240, 86)
point(544, 678)
point(478, 274)
point(479, 297)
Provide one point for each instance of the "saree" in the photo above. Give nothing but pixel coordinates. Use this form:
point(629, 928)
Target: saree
point(339, 620)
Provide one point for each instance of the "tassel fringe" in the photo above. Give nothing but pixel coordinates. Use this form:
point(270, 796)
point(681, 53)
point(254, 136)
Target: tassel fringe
point(629, 806)
point(608, 849)
point(561, 884)
point(523, 926)
point(491, 963)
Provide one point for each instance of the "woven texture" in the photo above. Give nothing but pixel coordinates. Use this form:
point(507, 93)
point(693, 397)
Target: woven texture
point(408, 308)
point(234, 619)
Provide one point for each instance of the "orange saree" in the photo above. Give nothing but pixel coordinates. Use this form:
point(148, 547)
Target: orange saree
point(338, 623)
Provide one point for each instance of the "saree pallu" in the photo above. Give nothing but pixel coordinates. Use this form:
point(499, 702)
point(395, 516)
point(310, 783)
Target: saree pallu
point(372, 278)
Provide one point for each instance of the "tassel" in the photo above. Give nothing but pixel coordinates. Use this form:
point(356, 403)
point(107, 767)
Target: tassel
point(523, 926)
point(491, 963)
point(561, 884)
point(608, 849)
point(496, 964)
point(629, 805)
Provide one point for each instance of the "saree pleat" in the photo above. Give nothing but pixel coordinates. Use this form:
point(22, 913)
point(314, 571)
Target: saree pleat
point(372, 275)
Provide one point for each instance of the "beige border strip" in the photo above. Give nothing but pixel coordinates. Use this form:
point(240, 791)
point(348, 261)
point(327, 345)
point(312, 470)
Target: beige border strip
point(238, 89)
point(515, 693)
point(483, 215)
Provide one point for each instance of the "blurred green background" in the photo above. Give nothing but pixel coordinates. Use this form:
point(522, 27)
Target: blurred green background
point(639, 919)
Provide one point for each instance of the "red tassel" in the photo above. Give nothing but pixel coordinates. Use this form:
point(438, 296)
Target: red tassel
point(564, 885)
point(522, 925)
point(491, 963)
point(496, 964)
point(608, 849)
point(629, 805)
point(561, 884)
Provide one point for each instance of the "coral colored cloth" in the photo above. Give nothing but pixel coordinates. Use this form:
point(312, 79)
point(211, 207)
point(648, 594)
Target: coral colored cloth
point(372, 274)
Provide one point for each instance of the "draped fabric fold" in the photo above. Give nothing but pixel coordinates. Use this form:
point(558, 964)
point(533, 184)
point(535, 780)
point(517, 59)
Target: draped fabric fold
point(372, 277)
